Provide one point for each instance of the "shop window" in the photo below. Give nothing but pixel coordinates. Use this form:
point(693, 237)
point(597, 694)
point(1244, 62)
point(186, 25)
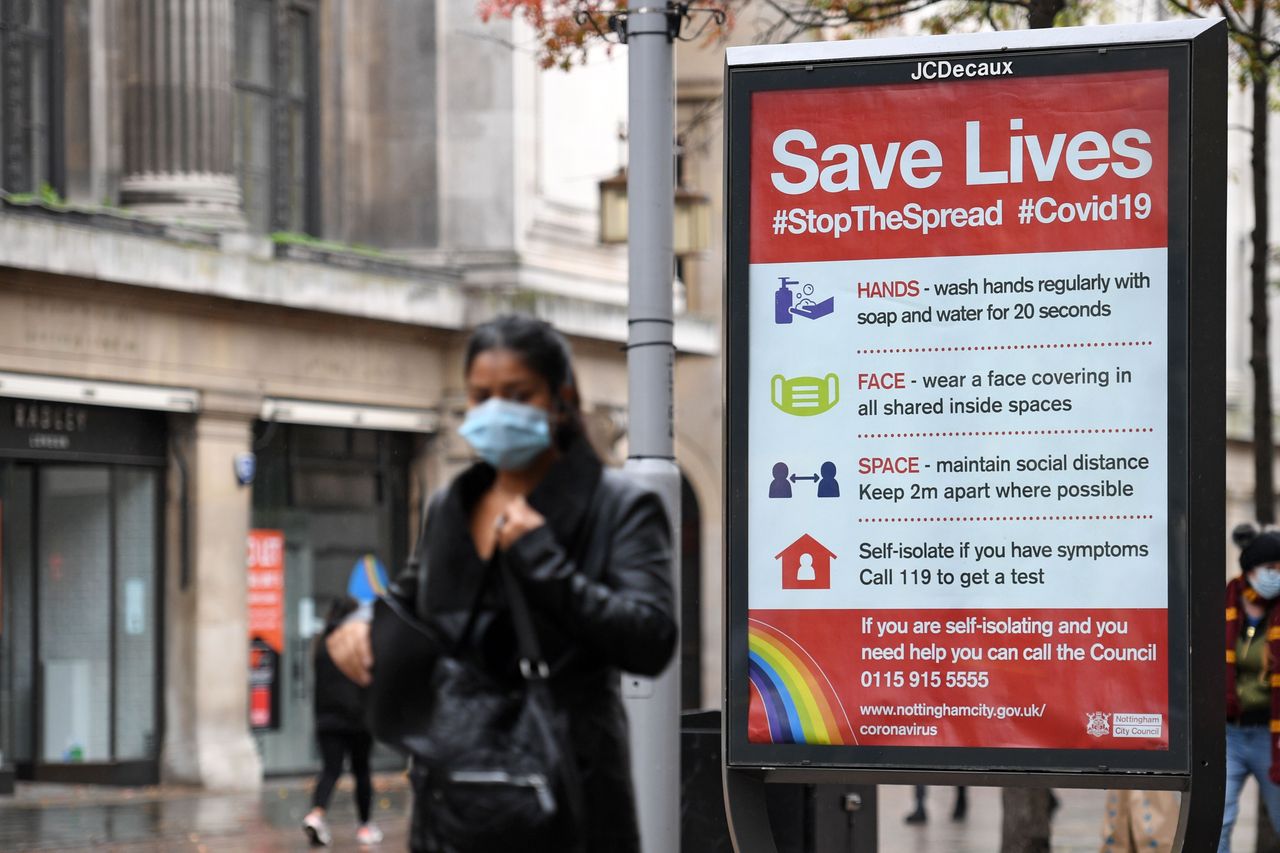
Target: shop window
point(73, 529)
point(325, 487)
point(307, 467)
point(30, 96)
point(135, 502)
point(276, 114)
point(17, 619)
point(364, 445)
point(319, 442)
point(81, 558)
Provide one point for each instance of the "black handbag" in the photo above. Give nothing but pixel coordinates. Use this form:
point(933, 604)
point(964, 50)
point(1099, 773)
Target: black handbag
point(490, 766)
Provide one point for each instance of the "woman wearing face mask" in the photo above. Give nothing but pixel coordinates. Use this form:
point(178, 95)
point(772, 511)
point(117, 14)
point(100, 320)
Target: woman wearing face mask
point(1253, 654)
point(590, 548)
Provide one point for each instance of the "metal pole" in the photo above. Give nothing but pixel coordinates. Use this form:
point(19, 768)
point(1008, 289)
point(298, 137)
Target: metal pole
point(653, 705)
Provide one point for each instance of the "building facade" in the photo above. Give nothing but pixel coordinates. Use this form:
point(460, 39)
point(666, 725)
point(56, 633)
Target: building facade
point(241, 244)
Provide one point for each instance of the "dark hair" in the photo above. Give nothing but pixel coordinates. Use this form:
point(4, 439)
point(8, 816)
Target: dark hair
point(544, 351)
point(342, 607)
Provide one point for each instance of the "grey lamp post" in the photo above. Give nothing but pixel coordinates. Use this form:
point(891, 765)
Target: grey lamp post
point(653, 705)
point(649, 185)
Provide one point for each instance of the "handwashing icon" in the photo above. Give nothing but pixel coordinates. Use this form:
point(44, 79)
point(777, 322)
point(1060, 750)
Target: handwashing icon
point(814, 310)
point(786, 305)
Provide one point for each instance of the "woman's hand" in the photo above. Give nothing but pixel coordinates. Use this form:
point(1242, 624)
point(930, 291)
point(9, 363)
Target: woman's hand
point(352, 652)
point(516, 520)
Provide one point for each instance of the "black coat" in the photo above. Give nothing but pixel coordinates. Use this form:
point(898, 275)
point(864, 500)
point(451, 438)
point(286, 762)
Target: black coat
point(339, 701)
point(598, 578)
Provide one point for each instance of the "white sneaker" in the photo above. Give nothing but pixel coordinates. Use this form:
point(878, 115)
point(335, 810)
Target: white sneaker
point(317, 830)
point(368, 834)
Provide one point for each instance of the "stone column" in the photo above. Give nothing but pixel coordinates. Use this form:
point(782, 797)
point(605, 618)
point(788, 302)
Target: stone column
point(207, 733)
point(178, 118)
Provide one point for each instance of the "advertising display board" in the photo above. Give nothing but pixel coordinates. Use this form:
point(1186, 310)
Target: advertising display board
point(974, 304)
point(266, 626)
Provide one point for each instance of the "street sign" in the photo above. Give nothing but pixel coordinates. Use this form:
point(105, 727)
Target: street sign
point(975, 309)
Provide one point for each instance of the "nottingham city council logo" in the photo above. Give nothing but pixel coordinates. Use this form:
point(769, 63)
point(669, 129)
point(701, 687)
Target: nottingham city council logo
point(1099, 724)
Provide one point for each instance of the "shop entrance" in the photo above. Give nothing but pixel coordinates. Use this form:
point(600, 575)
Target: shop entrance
point(338, 496)
point(79, 621)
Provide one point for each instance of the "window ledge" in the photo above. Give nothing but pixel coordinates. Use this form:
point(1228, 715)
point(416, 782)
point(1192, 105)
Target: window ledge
point(108, 218)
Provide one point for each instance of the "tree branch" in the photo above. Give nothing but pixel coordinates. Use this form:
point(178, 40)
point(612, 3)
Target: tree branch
point(989, 14)
point(1241, 30)
point(1185, 9)
point(805, 15)
point(870, 13)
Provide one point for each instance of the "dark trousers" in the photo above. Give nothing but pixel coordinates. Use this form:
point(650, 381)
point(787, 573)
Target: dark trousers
point(333, 747)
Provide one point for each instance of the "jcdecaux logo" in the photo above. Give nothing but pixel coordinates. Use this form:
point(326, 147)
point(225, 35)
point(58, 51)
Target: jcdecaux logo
point(942, 69)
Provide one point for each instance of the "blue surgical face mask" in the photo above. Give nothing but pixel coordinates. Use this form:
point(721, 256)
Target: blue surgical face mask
point(1265, 582)
point(507, 435)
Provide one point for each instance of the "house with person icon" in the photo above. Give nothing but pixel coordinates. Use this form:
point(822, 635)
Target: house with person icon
point(806, 564)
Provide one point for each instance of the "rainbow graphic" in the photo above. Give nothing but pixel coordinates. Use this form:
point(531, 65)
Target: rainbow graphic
point(799, 702)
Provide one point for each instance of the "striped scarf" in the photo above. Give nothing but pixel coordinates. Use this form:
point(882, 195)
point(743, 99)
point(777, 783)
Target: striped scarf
point(1236, 590)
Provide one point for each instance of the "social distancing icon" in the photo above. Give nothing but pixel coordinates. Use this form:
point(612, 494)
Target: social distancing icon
point(784, 478)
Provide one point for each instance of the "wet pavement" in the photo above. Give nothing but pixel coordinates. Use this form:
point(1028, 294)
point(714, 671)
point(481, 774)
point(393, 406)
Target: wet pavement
point(133, 820)
point(1077, 824)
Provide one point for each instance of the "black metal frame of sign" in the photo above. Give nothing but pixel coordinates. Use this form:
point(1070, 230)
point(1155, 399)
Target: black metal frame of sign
point(1194, 54)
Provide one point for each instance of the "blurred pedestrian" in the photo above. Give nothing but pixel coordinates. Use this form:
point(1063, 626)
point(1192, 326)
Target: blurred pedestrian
point(1253, 647)
point(958, 811)
point(1139, 822)
point(341, 733)
point(589, 549)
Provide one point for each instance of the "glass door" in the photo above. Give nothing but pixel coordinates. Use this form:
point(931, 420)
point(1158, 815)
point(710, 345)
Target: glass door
point(74, 614)
point(80, 673)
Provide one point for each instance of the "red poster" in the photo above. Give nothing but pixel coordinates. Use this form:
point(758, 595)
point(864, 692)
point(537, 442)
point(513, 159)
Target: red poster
point(958, 485)
point(266, 625)
point(1089, 151)
point(960, 677)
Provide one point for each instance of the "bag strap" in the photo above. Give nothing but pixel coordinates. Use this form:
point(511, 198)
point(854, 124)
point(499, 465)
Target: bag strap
point(534, 670)
point(533, 665)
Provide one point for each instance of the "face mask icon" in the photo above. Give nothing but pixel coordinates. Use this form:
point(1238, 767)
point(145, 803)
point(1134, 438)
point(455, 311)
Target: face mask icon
point(805, 395)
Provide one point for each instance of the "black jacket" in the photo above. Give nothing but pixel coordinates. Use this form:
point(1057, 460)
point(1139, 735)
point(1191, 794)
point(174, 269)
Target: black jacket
point(339, 701)
point(598, 578)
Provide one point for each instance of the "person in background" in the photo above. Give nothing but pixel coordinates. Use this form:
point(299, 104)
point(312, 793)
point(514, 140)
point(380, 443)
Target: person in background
point(958, 811)
point(1140, 821)
point(341, 732)
point(1253, 645)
